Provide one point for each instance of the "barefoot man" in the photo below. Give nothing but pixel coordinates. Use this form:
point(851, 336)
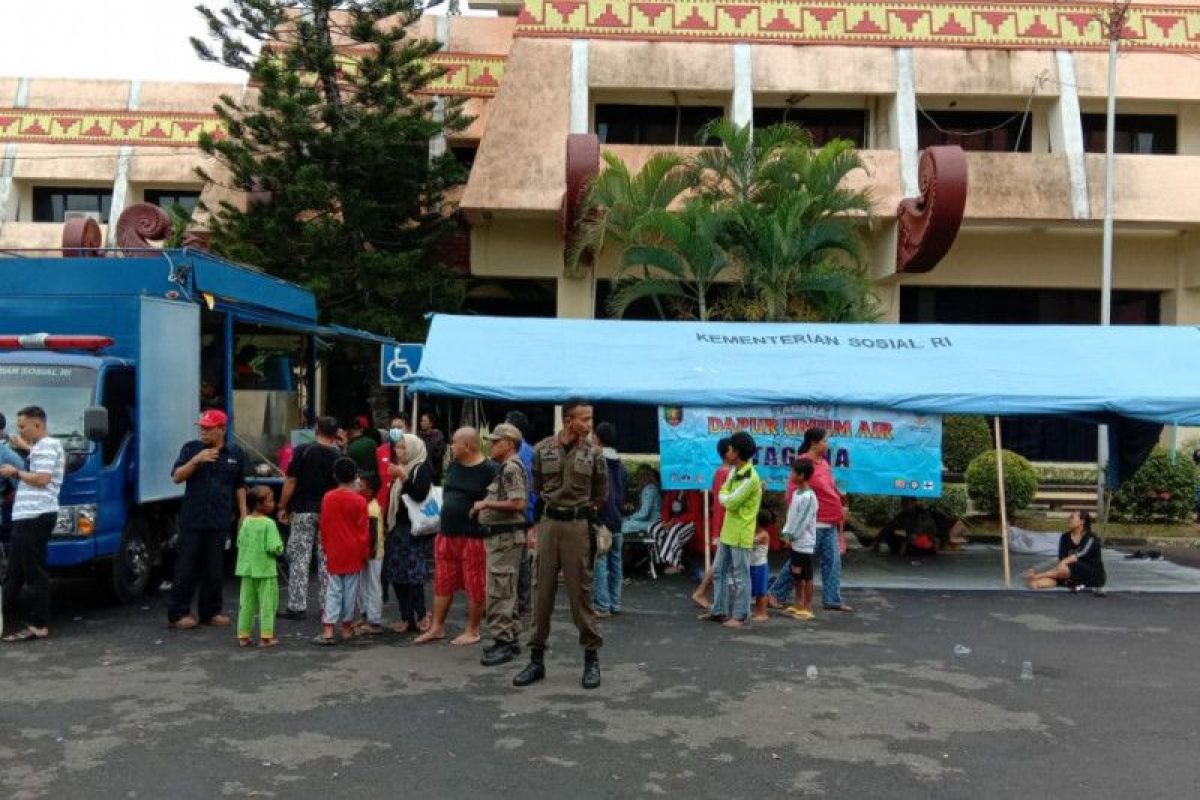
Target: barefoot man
point(459, 552)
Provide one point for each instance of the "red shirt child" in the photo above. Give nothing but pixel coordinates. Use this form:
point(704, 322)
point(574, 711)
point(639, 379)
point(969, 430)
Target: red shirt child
point(345, 531)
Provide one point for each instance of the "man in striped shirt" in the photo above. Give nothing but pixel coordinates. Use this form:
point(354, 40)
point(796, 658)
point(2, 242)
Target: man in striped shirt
point(34, 513)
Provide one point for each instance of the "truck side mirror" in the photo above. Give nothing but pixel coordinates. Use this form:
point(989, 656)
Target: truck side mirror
point(95, 423)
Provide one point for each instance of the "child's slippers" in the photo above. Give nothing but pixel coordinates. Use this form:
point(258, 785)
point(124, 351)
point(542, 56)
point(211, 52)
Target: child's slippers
point(268, 641)
point(243, 641)
point(323, 641)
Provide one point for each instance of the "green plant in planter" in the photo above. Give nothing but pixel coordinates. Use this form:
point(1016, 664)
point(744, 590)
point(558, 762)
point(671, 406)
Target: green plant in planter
point(953, 500)
point(1020, 482)
point(1160, 491)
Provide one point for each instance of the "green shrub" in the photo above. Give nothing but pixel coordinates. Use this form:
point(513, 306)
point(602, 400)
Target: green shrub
point(953, 500)
point(1020, 482)
point(874, 509)
point(1160, 491)
point(963, 438)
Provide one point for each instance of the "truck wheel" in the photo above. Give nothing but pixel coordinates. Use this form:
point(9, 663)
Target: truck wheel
point(131, 565)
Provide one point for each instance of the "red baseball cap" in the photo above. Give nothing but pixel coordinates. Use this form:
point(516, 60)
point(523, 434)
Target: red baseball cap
point(213, 419)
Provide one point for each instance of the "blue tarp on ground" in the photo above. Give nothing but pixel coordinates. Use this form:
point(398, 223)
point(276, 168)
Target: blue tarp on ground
point(1150, 373)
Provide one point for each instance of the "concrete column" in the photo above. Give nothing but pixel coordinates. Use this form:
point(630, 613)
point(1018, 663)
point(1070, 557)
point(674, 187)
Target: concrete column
point(743, 85)
point(8, 163)
point(437, 145)
point(1066, 133)
point(576, 297)
point(903, 121)
point(120, 190)
point(580, 101)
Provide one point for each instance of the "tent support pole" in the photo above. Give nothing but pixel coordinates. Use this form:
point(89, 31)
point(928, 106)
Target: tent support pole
point(416, 423)
point(1003, 507)
point(707, 532)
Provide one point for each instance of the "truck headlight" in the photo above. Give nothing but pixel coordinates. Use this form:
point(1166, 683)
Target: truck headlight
point(76, 520)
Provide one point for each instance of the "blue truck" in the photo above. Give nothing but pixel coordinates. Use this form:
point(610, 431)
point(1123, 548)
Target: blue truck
point(123, 353)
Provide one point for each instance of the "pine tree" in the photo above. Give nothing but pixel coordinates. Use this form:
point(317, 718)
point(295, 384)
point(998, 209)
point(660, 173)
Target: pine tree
point(332, 147)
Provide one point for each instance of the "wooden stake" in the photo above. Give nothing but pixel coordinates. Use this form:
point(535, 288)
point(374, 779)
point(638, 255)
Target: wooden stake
point(1003, 507)
point(707, 532)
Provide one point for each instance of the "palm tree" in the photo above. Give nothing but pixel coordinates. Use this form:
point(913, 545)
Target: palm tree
point(742, 165)
point(683, 264)
point(617, 200)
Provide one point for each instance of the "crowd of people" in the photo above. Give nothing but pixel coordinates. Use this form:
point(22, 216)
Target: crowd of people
point(392, 514)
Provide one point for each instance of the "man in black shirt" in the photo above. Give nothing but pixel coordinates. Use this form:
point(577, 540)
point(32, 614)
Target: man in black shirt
point(309, 477)
point(460, 556)
point(213, 472)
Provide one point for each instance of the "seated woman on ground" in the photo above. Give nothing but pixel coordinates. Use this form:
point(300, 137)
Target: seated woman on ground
point(1079, 562)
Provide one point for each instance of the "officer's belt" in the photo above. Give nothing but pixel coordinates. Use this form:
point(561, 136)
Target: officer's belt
point(494, 530)
point(560, 514)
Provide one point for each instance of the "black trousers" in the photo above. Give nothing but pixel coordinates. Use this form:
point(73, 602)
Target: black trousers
point(197, 565)
point(411, 598)
point(27, 568)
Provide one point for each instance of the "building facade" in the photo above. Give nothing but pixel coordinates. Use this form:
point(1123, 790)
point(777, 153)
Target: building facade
point(1020, 85)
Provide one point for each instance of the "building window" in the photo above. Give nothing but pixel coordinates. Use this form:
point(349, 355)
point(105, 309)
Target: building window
point(53, 203)
point(166, 199)
point(994, 131)
point(1147, 134)
point(465, 155)
point(825, 124)
point(665, 125)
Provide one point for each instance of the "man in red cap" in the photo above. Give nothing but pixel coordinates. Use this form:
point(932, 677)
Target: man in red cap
point(213, 472)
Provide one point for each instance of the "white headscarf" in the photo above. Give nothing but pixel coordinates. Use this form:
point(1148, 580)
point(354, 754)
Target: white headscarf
point(415, 455)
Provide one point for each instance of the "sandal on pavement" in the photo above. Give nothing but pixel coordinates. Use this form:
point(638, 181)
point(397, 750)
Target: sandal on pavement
point(323, 641)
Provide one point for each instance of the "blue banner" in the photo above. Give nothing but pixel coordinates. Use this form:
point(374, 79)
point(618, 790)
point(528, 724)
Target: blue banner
point(872, 451)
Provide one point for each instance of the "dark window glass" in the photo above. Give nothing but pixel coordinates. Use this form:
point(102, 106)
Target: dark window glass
point(1038, 438)
point(825, 124)
point(1149, 134)
point(166, 199)
point(995, 131)
point(665, 125)
point(51, 203)
point(118, 398)
point(464, 155)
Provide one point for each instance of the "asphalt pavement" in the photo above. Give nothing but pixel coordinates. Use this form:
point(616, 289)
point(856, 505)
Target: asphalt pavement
point(115, 705)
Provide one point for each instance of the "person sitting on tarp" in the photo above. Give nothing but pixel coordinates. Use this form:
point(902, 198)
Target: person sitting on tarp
point(918, 530)
point(1080, 565)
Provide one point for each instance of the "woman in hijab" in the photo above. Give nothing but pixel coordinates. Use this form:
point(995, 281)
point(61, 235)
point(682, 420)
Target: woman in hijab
point(407, 559)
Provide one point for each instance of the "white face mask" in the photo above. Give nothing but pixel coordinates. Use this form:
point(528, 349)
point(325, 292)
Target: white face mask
point(396, 434)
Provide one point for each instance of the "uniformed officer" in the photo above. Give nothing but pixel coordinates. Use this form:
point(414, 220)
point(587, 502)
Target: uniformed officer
point(502, 517)
point(571, 480)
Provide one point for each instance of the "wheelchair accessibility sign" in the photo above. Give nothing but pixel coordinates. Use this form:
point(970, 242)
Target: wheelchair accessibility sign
point(399, 362)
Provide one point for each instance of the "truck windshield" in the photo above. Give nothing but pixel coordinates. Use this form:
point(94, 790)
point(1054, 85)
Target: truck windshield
point(63, 392)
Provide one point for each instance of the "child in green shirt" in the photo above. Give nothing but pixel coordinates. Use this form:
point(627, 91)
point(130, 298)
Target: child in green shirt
point(259, 545)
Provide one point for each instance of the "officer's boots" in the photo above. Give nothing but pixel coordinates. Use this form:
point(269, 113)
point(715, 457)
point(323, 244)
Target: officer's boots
point(591, 669)
point(534, 671)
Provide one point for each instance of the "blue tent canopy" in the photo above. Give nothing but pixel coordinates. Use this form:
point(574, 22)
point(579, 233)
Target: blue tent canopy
point(1149, 373)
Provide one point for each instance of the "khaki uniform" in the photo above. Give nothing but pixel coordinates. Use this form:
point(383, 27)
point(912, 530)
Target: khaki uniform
point(572, 482)
point(505, 550)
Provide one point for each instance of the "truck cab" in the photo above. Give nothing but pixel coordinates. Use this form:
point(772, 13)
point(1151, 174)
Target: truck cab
point(123, 354)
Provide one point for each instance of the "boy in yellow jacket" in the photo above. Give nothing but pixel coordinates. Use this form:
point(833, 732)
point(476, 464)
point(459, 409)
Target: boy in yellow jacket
point(741, 496)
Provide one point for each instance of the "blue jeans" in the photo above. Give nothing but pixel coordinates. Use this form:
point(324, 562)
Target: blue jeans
point(341, 596)
point(785, 582)
point(830, 556)
point(608, 576)
point(732, 565)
